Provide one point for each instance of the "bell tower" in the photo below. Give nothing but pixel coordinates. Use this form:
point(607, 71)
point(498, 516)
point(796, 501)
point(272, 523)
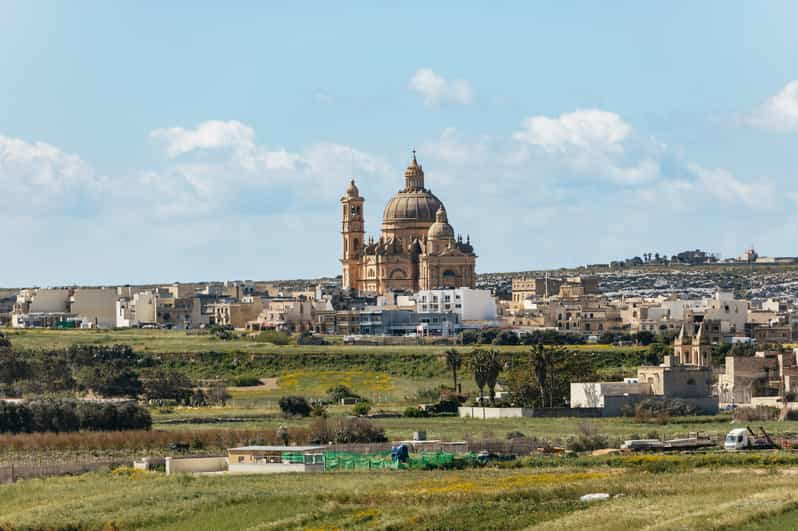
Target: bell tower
point(353, 232)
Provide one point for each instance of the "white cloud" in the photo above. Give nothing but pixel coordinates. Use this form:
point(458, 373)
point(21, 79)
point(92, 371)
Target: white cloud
point(451, 147)
point(586, 128)
point(213, 134)
point(37, 175)
point(722, 185)
point(436, 89)
point(780, 112)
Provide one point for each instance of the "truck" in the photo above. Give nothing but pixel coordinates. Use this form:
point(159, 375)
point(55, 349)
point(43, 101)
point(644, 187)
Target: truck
point(746, 439)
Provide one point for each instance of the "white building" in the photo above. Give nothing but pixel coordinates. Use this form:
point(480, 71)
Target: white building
point(141, 309)
point(469, 304)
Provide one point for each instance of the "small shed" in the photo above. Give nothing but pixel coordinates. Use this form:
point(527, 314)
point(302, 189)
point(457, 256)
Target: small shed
point(251, 455)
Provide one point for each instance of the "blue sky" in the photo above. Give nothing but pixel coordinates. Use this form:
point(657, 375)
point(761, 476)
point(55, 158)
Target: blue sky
point(145, 141)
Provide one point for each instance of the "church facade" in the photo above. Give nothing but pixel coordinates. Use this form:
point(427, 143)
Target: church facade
point(417, 248)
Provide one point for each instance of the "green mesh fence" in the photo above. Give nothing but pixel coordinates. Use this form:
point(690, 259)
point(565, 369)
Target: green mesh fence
point(293, 457)
point(380, 461)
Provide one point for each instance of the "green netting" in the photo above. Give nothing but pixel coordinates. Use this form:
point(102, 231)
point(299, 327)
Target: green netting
point(293, 457)
point(380, 461)
point(350, 461)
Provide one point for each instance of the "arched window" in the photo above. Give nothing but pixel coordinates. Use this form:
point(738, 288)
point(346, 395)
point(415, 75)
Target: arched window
point(449, 278)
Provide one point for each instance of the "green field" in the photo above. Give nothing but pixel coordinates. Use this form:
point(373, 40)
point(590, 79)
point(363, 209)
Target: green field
point(725, 497)
point(169, 341)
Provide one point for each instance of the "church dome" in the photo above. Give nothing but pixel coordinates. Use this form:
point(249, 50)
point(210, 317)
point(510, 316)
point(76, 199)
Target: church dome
point(440, 230)
point(414, 205)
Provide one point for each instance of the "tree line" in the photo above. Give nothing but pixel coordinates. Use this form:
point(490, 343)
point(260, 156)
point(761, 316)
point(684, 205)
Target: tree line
point(59, 416)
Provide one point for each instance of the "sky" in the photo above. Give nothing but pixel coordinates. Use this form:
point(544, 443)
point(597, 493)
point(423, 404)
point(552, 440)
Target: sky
point(186, 141)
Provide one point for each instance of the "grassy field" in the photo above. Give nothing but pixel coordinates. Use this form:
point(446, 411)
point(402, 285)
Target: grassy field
point(538, 498)
point(168, 341)
point(455, 428)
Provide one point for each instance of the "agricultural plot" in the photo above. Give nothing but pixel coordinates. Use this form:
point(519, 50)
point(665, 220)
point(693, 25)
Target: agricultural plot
point(537, 498)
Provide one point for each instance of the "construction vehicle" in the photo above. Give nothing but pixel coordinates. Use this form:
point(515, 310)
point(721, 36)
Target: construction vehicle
point(746, 439)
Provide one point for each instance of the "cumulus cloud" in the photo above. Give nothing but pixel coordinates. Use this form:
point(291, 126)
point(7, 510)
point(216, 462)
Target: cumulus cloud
point(779, 112)
point(37, 175)
point(590, 144)
point(586, 128)
point(436, 89)
point(213, 134)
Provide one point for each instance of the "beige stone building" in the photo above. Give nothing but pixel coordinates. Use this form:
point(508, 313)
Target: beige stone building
point(693, 348)
point(417, 249)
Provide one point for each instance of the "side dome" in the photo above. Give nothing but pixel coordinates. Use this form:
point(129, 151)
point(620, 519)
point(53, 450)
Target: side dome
point(440, 230)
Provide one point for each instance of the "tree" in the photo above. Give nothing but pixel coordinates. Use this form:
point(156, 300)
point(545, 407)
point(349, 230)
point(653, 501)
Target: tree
point(493, 369)
point(109, 380)
point(294, 406)
point(486, 366)
point(217, 393)
point(454, 360)
point(478, 367)
point(161, 384)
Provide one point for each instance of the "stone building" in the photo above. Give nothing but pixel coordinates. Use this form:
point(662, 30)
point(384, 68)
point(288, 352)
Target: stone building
point(693, 349)
point(417, 248)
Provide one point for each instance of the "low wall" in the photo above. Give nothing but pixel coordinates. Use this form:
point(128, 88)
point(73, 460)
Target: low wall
point(529, 412)
point(273, 468)
point(193, 465)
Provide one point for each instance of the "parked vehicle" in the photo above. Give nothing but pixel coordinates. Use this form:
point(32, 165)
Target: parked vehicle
point(746, 439)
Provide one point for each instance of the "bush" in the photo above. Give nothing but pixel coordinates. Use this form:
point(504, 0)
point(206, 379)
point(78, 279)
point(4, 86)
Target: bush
point(274, 337)
point(756, 413)
point(245, 381)
point(588, 439)
point(344, 431)
point(415, 412)
point(661, 411)
point(506, 337)
point(339, 392)
point(515, 435)
point(295, 406)
point(449, 405)
point(361, 408)
point(307, 338)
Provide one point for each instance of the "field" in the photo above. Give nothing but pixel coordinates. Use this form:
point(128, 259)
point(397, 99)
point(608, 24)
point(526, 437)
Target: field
point(722, 497)
point(169, 341)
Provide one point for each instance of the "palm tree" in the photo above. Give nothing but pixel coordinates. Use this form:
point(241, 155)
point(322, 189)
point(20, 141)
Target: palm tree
point(493, 367)
point(478, 366)
point(454, 360)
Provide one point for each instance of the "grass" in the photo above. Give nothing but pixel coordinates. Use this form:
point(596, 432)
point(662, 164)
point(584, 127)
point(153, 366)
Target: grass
point(168, 341)
point(540, 498)
point(455, 428)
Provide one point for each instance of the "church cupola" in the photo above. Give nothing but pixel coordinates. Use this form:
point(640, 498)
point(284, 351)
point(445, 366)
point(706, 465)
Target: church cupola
point(414, 175)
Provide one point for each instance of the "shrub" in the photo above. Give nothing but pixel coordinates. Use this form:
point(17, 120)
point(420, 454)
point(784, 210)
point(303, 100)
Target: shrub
point(449, 405)
point(756, 413)
point(245, 381)
point(429, 395)
point(515, 435)
point(307, 338)
point(344, 431)
point(336, 393)
point(415, 412)
point(361, 408)
point(294, 406)
point(661, 411)
point(587, 439)
point(358, 430)
point(274, 337)
point(506, 337)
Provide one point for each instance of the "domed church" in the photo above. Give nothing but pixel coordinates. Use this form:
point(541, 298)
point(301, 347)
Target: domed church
point(417, 249)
